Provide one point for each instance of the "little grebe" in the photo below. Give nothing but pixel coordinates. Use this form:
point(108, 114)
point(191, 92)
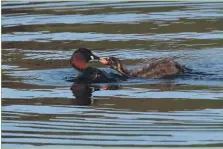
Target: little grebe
point(79, 61)
point(156, 68)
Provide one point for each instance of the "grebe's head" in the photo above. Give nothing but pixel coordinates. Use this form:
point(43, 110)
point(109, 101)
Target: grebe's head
point(81, 57)
point(116, 64)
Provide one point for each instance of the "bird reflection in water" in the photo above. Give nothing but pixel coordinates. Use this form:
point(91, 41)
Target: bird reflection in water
point(83, 92)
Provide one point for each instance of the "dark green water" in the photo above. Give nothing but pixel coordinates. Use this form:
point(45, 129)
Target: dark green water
point(39, 109)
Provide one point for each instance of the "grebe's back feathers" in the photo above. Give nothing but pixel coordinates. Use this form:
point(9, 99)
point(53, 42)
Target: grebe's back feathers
point(155, 68)
point(158, 68)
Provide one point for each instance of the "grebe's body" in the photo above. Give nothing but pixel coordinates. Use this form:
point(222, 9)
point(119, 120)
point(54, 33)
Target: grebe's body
point(156, 68)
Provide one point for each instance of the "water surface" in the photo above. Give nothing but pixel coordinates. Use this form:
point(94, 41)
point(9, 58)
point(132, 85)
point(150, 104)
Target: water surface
point(40, 107)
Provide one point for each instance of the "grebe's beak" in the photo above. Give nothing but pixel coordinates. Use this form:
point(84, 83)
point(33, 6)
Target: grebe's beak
point(94, 57)
point(104, 61)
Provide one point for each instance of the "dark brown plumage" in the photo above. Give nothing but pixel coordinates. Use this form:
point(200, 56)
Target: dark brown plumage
point(156, 68)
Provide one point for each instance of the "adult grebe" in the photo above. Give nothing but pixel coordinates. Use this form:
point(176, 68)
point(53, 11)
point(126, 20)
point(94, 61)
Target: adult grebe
point(79, 60)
